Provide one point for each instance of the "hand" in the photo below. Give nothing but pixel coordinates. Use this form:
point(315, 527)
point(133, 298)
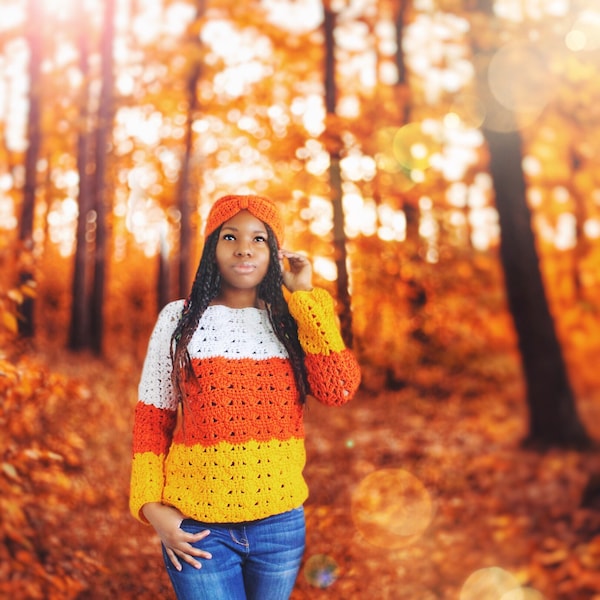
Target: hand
point(166, 520)
point(298, 276)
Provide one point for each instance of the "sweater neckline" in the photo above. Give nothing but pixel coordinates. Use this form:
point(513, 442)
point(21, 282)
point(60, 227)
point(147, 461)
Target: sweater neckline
point(232, 309)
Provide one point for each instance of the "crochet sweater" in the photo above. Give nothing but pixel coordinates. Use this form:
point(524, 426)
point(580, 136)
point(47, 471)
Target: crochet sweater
point(236, 452)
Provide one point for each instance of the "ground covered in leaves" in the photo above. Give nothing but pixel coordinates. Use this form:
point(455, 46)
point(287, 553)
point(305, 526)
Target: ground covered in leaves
point(421, 493)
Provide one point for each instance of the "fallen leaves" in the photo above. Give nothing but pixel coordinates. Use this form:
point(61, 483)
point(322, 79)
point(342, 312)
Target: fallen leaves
point(495, 504)
point(446, 475)
point(36, 483)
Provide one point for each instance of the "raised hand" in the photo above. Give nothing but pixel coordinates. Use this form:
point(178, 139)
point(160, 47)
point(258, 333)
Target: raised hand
point(297, 274)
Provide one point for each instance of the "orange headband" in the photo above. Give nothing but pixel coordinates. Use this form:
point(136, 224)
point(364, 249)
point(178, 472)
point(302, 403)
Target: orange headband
point(228, 206)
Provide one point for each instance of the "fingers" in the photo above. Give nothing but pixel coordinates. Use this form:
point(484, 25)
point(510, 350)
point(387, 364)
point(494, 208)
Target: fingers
point(295, 259)
point(167, 522)
point(184, 551)
point(298, 275)
point(200, 535)
point(173, 558)
point(187, 553)
point(298, 263)
point(192, 538)
point(185, 545)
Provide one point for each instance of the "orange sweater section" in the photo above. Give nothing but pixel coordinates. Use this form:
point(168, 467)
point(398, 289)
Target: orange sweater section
point(237, 454)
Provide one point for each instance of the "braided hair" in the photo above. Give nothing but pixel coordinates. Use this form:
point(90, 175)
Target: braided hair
point(206, 286)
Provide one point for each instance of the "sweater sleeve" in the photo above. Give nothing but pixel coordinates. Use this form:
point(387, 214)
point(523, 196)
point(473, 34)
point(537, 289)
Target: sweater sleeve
point(155, 414)
point(333, 371)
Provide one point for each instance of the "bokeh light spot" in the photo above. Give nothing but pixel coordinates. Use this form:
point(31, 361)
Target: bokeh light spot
point(469, 110)
point(525, 593)
point(391, 508)
point(321, 571)
point(520, 80)
point(385, 158)
point(406, 150)
point(585, 33)
point(492, 583)
point(412, 147)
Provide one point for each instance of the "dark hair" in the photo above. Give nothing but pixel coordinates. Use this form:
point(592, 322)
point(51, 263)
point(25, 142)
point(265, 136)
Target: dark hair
point(206, 287)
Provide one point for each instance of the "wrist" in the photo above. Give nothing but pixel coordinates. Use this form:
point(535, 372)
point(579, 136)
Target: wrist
point(150, 508)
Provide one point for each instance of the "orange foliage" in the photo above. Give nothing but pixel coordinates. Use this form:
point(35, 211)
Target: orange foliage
point(41, 483)
point(450, 445)
point(409, 313)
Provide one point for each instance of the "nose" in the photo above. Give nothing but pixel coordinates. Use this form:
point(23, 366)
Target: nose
point(243, 249)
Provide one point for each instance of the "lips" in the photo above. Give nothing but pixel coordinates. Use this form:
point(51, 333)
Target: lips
point(244, 268)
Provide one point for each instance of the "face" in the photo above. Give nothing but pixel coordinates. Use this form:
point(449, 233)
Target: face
point(242, 252)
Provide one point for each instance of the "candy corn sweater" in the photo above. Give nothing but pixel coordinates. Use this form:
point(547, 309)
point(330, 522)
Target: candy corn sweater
point(237, 453)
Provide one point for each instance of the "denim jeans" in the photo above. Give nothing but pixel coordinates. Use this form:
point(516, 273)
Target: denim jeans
point(256, 560)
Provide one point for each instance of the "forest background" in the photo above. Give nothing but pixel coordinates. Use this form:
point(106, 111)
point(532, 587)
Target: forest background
point(437, 159)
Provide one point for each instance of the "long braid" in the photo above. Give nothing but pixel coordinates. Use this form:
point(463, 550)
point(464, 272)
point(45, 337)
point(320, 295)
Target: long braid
point(271, 291)
point(207, 283)
point(206, 287)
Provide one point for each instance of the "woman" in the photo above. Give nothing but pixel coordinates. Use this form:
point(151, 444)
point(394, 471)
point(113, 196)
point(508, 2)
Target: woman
point(218, 442)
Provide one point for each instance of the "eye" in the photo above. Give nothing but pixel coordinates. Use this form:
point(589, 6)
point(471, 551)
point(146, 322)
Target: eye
point(260, 238)
point(228, 236)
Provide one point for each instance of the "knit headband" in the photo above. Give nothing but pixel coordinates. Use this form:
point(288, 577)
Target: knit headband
point(228, 206)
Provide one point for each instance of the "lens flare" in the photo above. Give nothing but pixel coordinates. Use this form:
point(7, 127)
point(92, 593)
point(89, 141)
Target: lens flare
point(521, 82)
point(469, 110)
point(585, 33)
point(406, 153)
point(321, 571)
point(525, 593)
point(391, 508)
point(492, 583)
point(413, 148)
point(385, 157)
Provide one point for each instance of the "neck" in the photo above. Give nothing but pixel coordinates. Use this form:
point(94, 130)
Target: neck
point(238, 299)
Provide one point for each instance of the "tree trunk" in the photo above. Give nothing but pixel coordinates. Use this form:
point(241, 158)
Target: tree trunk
point(79, 334)
point(401, 87)
point(553, 416)
point(187, 189)
point(34, 139)
point(103, 146)
point(554, 420)
point(581, 242)
point(339, 234)
point(163, 283)
point(417, 293)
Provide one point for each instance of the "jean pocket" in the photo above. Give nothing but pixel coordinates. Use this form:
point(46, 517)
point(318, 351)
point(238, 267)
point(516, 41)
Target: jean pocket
point(192, 526)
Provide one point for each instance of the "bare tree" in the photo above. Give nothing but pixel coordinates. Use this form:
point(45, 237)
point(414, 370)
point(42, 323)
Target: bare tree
point(335, 178)
point(34, 139)
point(186, 192)
point(102, 149)
point(79, 334)
point(554, 420)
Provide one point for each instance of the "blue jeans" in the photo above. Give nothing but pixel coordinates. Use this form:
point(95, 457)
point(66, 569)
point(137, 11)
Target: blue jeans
point(256, 560)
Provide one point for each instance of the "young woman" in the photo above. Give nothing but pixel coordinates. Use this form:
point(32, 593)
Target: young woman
point(218, 441)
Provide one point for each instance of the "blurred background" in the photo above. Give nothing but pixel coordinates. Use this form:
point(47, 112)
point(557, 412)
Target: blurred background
point(436, 159)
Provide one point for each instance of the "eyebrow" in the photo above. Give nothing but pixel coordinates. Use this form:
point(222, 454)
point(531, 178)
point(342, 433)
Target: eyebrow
point(231, 228)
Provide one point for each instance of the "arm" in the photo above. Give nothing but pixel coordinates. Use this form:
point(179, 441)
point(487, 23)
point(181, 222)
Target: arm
point(155, 415)
point(154, 423)
point(333, 371)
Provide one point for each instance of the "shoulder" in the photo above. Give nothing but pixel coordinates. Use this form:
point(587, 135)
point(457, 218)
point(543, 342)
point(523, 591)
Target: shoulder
point(169, 316)
point(171, 311)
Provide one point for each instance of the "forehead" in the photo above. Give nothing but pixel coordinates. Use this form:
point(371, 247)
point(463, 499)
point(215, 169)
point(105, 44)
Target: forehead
point(245, 220)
